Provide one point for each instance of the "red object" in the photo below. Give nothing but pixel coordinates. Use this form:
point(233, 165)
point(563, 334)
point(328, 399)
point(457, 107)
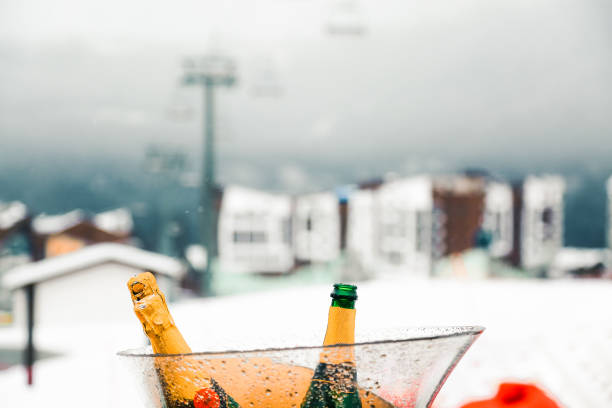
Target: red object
point(206, 398)
point(30, 375)
point(513, 395)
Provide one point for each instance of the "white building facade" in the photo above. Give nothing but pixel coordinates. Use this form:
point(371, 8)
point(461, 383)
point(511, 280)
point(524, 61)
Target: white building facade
point(389, 228)
point(403, 211)
point(316, 227)
point(541, 220)
point(255, 232)
point(609, 213)
point(88, 285)
point(498, 218)
point(360, 244)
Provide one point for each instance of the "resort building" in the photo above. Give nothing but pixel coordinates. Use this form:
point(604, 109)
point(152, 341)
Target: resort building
point(255, 232)
point(316, 227)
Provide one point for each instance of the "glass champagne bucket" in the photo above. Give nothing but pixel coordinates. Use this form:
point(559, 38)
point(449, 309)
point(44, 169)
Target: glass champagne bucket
point(391, 368)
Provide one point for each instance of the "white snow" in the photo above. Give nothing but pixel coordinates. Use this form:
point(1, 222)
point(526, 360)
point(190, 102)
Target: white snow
point(50, 224)
point(11, 213)
point(568, 258)
point(196, 255)
point(542, 191)
point(241, 199)
point(555, 333)
point(88, 256)
point(118, 221)
point(413, 193)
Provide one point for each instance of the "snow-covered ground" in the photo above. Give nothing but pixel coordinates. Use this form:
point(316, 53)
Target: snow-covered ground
point(555, 333)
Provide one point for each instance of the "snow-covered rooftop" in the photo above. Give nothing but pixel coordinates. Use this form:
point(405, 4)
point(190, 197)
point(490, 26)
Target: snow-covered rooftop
point(572, 258)
point(324, 202)
point(118, 221)
point(568, 258)
point(196, 255)
point(409, 193)
point(12, 213)
point(88, 256)
point(543, 190)
point(49, 224)
point(242, 199)
point(459, 183)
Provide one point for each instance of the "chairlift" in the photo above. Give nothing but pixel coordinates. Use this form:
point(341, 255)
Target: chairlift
point(213, 69)
point(265, 78)
point(178, 109)
point(346, 19)
point(165, 159)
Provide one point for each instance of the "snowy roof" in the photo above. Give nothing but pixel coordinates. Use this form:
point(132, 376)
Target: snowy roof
point(118, 222)
point(543, 190)
point(90, 256)
point(242, 199)
point(11, 213)
point(498, 196)
point(325, 202)
point(459, 183)
point(49, 224)
point(196, 255)
point(573, 258)
point(410, 193)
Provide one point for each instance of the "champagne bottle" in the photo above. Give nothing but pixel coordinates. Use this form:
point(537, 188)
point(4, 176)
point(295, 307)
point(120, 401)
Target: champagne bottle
point(185, 381)
point(334, 383)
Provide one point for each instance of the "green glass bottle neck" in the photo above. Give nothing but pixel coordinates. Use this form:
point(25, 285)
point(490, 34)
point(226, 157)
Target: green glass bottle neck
point(343, 303)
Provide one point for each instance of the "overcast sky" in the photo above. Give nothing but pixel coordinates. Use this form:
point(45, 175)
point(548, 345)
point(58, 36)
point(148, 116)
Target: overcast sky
point(431, 85)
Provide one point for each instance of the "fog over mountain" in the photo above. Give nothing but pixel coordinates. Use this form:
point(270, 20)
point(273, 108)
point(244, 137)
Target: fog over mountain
point(512, 86)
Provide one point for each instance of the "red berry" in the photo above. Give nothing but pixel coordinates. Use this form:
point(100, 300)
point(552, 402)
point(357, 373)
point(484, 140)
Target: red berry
point(206, 398)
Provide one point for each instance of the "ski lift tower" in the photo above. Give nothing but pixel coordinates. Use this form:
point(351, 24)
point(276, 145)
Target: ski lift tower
point(209, 72)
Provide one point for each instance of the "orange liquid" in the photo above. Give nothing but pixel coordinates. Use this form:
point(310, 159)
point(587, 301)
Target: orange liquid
point(261, 383)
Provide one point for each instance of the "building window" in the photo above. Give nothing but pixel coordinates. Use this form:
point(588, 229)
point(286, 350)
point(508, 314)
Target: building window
point(394, 224)
point(548, 225)
point(423, 231)
point(395, 257)
point(287, 230)
point(250, 237)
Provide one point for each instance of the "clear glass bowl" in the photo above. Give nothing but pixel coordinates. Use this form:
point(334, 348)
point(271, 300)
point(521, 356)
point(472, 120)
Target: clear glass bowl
point(395, 368)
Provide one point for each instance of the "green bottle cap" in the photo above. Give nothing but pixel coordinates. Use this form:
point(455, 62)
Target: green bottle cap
point(344, 295)
point(344, 291)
